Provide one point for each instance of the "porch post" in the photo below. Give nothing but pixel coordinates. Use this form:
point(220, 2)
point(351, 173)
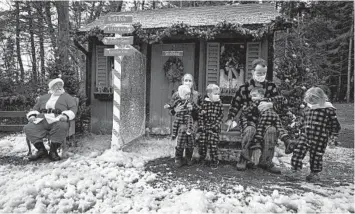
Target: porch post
point(116, 142)
point(270, 55)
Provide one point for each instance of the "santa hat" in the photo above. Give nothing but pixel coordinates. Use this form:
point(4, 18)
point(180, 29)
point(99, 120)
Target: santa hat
point(54, 81)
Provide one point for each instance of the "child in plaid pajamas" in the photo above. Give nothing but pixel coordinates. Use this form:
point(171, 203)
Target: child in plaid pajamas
point(209, 122)
point(184, 117)
point(263, 120)
point(319, 125)
point(182, 124)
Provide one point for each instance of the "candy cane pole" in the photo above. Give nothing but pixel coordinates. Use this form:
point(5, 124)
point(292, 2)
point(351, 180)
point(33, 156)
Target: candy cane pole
point(116, 142)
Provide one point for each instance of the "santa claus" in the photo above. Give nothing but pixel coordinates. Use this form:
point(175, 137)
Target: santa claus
point(50, 116)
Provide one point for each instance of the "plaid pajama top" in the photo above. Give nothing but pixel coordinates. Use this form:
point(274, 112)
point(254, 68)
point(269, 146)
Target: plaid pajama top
point(252, 113)
point(210, 116)
point(320, 123)
point(185, 110)
point(195, 99)
point(242, 99)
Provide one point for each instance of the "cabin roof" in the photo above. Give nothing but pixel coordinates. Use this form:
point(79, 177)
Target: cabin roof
point(244, 14)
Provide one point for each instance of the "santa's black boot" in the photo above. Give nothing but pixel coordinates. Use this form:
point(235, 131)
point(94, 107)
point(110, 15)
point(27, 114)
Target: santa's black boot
point(53, 154)
point(41, 152)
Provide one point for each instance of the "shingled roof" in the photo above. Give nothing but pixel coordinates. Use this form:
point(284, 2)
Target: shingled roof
point(197, 16)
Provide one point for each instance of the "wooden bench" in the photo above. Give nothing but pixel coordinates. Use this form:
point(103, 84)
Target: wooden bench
point(11, 127)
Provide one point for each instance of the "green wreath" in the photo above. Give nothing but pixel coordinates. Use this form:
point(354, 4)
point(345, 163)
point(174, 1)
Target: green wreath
point(174, 69)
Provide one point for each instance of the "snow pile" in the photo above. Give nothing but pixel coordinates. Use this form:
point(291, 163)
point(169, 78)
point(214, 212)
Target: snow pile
point(96, 180)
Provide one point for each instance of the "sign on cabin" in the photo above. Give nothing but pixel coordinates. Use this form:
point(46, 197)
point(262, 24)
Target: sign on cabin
point(118, 52)
point(118, 40)
point(118, 19)
point(118, 29)
point(172, 53)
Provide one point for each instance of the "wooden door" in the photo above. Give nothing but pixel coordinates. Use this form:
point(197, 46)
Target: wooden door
point(160, 88)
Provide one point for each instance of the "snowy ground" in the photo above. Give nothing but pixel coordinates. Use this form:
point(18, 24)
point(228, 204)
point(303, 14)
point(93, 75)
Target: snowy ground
point(96, 180)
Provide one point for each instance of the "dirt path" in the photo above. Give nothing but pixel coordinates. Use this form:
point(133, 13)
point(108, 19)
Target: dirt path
point(226, 177)
point(336, 172)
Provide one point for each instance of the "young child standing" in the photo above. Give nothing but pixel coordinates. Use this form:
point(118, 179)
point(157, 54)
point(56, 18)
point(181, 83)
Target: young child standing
point(319, 125)
point(209, 123)
point(183, 117)
point(183, 122)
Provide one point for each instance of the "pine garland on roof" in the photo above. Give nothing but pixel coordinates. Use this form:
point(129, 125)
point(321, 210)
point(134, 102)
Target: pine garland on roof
point(151, 36)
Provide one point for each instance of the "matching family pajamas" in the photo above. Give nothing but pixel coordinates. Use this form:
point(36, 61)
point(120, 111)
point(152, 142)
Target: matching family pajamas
point(318, 125)
point(185, 141)
point(249, 125)
point(265, 119)
point(183, 118)
point(209, 126)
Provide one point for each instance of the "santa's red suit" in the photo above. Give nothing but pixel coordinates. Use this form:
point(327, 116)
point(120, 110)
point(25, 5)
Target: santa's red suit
point(47, 111)
point(63, 104)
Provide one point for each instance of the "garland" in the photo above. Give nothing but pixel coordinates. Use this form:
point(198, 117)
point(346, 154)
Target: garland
point(151, 36)
point(174, 69)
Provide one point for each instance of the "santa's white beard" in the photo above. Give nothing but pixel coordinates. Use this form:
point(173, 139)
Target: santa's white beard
point(57, 92)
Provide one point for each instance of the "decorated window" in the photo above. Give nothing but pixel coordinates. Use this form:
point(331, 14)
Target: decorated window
point(103, 75)
point(229, 65)
point(232, 65)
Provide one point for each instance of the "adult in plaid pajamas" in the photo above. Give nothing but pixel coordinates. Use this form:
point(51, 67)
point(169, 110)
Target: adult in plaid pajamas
point(242, 98)
point(209, 124)
point(319, 125)
point(184, 116)
point(185, 141)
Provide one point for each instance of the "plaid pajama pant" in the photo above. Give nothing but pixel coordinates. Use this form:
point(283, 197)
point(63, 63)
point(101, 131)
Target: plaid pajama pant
point(185, 141)
point(209, 121)
point(267, 119)
point(210, 141)
point(180, 120)
point(318, 125)
point(316, 150)
point(268, 149)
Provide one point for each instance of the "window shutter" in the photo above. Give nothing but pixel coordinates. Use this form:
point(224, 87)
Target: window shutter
point(212, 67)
point(253, 52)
point(101, 67)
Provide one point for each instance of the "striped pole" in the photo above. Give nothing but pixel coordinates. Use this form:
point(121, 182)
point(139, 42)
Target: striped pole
point(116, 142)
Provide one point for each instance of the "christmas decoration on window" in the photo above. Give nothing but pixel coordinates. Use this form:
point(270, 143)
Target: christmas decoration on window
point(174, 69)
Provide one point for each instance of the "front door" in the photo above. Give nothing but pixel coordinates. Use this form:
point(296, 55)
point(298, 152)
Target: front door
point(161, 88)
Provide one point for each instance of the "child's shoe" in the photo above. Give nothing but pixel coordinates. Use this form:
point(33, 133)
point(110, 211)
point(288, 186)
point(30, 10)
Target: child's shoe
point(293, 175)
point(214, 165)
point(290, 145)
point(189, 162)
point(178, 163)
point(313, 177)
point(241, 165)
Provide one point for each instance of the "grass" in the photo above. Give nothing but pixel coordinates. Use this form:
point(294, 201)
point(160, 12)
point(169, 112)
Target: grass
point(345, 113)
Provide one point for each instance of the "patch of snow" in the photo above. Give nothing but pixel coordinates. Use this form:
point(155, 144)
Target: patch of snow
point(97, 179)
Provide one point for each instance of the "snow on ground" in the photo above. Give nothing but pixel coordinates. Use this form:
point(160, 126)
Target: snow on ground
point(97, 180)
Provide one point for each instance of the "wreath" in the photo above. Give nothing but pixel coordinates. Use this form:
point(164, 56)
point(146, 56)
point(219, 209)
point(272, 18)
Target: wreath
point(174, 69)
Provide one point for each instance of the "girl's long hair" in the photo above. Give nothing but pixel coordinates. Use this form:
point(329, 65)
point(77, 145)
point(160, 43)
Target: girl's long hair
point(318, 93)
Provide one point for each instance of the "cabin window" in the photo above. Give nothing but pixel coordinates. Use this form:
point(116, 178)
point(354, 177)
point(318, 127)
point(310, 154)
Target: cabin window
point(229, 65)
point(232, 65)
point(103, 75)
